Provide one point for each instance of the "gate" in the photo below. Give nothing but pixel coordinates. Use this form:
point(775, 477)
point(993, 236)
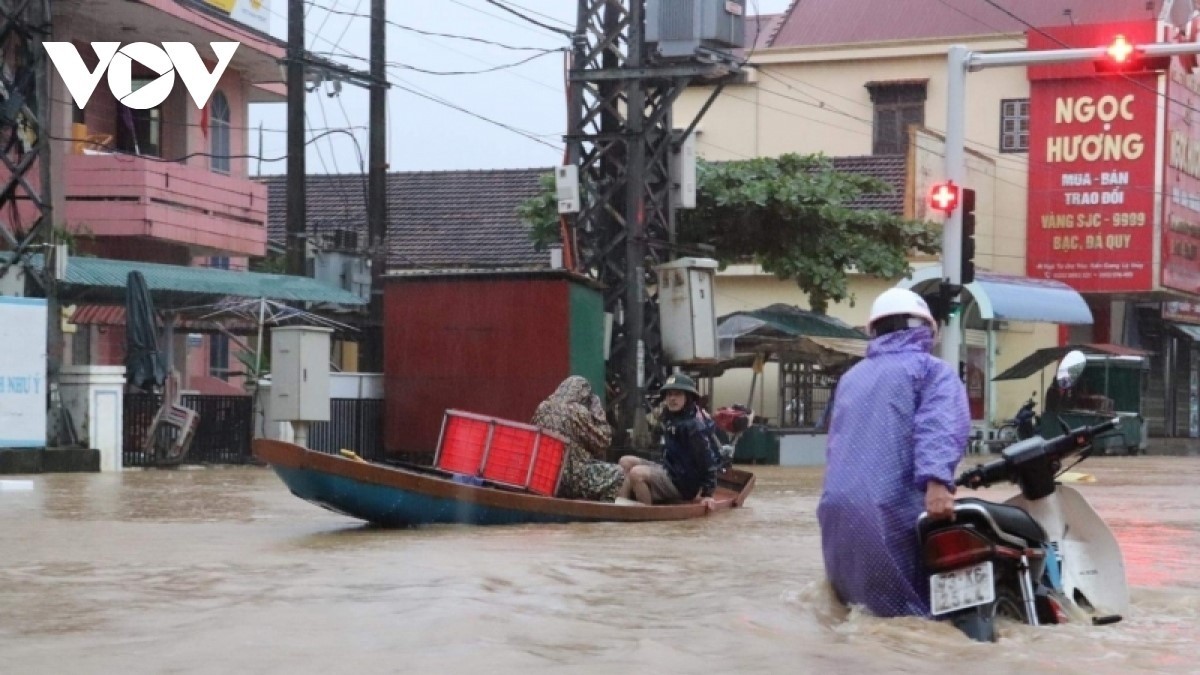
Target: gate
point(226, 428)
point(222, 436)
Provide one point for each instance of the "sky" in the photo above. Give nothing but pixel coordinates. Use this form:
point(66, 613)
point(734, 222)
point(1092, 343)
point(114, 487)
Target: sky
point(424, 135)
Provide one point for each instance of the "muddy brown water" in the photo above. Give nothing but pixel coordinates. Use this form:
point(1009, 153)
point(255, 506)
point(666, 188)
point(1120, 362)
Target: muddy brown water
point(223, 571)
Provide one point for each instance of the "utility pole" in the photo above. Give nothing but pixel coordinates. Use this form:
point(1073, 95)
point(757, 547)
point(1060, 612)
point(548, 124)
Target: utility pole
point(24, 24)
point(297, 172)
point(377, 206)
point(619, 134)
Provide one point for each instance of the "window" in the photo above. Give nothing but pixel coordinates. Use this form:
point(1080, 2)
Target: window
point(218, 262)
point(218, 356)
point(1014, 125)
point(139, 131)
point(898, 104)
point(219, 133)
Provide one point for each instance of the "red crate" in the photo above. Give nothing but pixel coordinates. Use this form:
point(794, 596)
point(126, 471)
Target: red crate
point(505, 452)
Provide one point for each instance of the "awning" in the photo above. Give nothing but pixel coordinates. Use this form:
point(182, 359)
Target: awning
point(1190, 330)
point(1003, 297)
point(787, 333)
point(1043, 357)
point(114, 315)
point(102, 281)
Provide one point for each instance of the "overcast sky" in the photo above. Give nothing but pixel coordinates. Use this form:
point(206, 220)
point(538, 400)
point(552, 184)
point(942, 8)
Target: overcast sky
point(422, 134)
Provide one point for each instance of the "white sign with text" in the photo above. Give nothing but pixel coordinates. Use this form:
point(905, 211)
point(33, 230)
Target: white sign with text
point(22, 372)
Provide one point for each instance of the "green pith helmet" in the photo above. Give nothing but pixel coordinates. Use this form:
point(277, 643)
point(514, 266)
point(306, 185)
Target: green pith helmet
point(680, 382)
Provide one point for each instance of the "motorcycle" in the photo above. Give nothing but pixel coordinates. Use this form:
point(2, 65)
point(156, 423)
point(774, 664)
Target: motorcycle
point(733, 421)
point(1043, 556)
point(1022, 426)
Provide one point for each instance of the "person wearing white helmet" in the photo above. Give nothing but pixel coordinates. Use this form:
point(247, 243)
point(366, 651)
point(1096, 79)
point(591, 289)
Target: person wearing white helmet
point(898, 430)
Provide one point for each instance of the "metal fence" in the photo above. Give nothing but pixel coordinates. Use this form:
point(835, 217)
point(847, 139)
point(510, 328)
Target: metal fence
point(226, 428)
point(222, 436)
point(354, 424)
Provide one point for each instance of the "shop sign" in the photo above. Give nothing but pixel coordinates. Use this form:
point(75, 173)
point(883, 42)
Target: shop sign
point(1092, 149)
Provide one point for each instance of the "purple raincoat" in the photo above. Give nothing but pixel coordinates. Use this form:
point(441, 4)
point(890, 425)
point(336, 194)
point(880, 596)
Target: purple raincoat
point(900, 419)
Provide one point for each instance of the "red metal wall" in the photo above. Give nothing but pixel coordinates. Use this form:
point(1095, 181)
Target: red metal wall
point(491, 346)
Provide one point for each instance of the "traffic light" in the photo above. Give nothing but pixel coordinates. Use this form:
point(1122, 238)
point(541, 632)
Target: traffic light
point(1124, 57)
point(968, 236)
point(944, 197)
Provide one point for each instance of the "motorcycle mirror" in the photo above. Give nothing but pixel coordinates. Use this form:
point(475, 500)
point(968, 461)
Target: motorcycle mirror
point(1070, 369)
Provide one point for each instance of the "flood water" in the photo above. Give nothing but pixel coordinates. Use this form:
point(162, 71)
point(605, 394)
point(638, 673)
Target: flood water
point(223, 571)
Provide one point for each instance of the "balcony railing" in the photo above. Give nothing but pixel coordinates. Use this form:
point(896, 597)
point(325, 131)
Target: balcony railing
point(125, 196)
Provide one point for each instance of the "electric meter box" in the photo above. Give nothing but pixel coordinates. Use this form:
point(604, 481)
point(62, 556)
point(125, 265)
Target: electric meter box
point(300, 373)
point(686, 311)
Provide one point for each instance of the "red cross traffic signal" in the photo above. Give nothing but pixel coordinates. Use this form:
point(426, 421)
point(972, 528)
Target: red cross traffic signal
point(944, 197)
point(1120, 51)
point(1121, 56)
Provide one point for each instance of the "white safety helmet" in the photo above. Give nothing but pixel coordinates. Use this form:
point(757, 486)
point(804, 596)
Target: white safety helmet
point(898, 302)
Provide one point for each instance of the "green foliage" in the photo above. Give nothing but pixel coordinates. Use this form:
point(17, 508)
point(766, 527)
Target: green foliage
point(790, 214)
point(73, 237)
point(273, 263)
point(541, 214)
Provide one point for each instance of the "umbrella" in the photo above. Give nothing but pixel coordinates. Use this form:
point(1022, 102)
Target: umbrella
point(144, 367)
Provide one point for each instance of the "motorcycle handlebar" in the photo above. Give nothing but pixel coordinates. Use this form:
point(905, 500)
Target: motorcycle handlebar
point(1054, 449)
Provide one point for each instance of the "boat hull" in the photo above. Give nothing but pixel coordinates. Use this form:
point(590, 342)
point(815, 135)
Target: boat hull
point(394, 496)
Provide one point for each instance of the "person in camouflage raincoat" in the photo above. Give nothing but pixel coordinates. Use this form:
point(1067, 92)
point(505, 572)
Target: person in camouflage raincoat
point(576, 413)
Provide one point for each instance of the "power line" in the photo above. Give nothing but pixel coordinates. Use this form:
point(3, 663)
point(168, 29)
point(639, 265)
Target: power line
point(527, 134)
point(541, 14)
point(524, 17)
point(1160, 94)
point(460, 3)
point(420, 31)
point(411, 88)
point(417, 69)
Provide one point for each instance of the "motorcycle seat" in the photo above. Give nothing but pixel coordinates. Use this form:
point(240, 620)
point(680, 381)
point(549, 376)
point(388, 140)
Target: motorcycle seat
point(1010, 519)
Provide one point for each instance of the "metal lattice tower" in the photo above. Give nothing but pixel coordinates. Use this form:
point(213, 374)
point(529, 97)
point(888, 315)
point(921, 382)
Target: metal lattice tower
point(26, 219)
point(24, 95)
point(620, 136)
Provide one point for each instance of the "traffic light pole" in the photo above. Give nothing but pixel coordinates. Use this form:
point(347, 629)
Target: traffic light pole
point(956, 171)
point(960, 62)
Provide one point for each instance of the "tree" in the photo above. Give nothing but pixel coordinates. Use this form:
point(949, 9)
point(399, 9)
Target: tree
point(791, 214)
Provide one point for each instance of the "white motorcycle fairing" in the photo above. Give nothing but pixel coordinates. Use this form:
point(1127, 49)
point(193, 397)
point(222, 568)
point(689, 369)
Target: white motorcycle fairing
point(1093, 568)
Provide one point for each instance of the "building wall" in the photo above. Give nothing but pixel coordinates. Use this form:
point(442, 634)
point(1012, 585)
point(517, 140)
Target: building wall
point(813, 100)
point(490, 346)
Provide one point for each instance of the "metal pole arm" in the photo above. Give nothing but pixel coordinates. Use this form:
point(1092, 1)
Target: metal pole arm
point(977, 61)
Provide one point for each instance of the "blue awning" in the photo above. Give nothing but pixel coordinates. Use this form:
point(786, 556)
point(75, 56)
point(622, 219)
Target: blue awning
point(1003, 297)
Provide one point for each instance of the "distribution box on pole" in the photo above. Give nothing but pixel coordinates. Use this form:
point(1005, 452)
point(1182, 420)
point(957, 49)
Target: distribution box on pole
point(686, 310)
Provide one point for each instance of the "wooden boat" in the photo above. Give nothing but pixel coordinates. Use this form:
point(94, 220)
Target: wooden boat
point(402, 495)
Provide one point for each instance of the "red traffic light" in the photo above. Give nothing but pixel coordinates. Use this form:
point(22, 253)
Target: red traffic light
point(1120, 50)
point(944, 197)
point(1122, 56)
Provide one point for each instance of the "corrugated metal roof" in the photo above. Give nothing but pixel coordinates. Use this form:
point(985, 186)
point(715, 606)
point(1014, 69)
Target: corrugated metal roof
point(199, 283)
point(828, 22)
point(207, 281)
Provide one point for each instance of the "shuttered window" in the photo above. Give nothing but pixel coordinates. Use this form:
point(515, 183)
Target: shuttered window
point(898, 105)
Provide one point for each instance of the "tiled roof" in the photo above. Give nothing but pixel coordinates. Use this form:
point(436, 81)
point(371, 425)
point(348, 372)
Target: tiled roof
point(437, 218)
point(891, 169)
point(442, 220)
point(827, 22)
